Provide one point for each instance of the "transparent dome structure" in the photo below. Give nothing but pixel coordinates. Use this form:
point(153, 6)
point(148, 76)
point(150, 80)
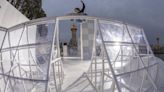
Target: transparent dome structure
point(76, 54)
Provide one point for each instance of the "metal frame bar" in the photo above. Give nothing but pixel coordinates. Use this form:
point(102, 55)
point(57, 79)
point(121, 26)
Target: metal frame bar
point(109, 62)
point(149, 76)
point(50, 59)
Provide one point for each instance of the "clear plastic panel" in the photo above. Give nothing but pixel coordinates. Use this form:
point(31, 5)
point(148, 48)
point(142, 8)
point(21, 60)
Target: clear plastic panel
point(120, 58)
point(26, 57)
point(128, 53)
point(17, 37)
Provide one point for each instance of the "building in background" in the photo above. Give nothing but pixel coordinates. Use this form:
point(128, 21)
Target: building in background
point(158, 49)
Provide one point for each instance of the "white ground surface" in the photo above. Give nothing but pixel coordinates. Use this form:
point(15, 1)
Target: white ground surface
point(73, 70)
point(160, 82)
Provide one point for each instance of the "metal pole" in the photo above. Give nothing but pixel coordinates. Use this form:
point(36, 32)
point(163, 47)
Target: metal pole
point(109, 62)
point(94, 87)
point(28, 52)
point(81, 39)
point(50, 59)
point(142, 60)
point(2, 57)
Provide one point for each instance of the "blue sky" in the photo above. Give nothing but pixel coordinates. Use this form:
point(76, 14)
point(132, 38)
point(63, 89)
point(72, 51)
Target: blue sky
point(148, 14)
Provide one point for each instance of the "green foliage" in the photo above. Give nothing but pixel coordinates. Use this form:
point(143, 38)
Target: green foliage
point(30, 8)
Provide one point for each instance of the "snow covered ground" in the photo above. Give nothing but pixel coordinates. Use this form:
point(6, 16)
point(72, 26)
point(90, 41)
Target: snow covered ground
point(160, 82)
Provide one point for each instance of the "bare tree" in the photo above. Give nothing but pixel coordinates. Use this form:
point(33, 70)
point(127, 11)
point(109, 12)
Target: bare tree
point(30, 8)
